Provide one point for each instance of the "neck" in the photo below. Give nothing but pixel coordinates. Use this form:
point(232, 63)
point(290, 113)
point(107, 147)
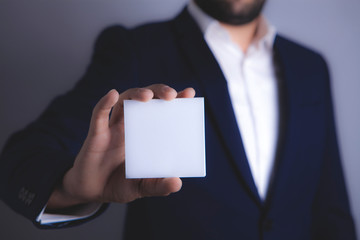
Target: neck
point(242, 35)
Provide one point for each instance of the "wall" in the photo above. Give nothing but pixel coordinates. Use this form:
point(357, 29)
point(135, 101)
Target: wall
point(45, 47)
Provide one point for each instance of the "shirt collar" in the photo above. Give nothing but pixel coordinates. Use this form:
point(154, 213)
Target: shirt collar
point(265, 33)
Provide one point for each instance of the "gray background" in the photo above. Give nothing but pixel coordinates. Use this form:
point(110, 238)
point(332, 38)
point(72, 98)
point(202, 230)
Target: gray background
point(45, 47)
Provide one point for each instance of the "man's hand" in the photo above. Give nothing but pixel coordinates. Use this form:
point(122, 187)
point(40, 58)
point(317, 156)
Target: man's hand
point(98, 174)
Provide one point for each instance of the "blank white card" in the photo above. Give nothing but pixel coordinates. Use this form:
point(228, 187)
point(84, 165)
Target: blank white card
point(164, 138)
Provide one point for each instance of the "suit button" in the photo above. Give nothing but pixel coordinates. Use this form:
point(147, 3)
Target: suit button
point(26, 196)
point(267, 225)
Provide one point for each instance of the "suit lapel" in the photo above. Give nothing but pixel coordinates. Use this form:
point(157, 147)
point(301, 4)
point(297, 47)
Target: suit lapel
point(217, 103)
point(294, 86)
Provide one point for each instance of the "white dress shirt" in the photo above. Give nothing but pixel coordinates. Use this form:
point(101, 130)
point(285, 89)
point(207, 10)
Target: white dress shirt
point(252, 88)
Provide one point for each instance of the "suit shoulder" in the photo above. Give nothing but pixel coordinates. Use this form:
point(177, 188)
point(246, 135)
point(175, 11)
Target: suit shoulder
point(153, 39)
point(154, 35)
point(147, 35)
point(152, 29)
point(305, 54)
point(113, 30)
point(112, 38)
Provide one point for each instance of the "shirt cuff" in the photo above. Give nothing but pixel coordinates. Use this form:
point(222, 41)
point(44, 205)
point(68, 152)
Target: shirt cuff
point(75, 213)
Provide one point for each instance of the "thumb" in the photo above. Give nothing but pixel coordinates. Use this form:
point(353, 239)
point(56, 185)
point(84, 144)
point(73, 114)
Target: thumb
point(100, 116)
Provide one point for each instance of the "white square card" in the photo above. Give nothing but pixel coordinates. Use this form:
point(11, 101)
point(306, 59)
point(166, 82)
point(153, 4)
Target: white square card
point(164, 138)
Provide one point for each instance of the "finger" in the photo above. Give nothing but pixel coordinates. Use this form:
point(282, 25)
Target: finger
point(100, 116)
point(139, 94)
point(186, 93)
point(159, 186)
point(163, 91)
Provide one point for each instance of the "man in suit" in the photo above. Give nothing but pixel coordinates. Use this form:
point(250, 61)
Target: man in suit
point(273, 167)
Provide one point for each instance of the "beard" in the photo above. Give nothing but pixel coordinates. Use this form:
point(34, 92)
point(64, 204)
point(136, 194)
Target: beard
point(233, 12)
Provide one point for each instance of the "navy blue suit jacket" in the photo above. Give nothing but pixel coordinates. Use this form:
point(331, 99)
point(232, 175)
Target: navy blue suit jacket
point(307, 197)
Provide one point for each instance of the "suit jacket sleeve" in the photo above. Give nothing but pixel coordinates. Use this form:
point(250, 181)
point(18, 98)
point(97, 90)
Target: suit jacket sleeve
point(35, 159)
point(331, 211)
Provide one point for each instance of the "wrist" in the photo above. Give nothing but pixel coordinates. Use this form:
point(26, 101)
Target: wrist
point(61, 197)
